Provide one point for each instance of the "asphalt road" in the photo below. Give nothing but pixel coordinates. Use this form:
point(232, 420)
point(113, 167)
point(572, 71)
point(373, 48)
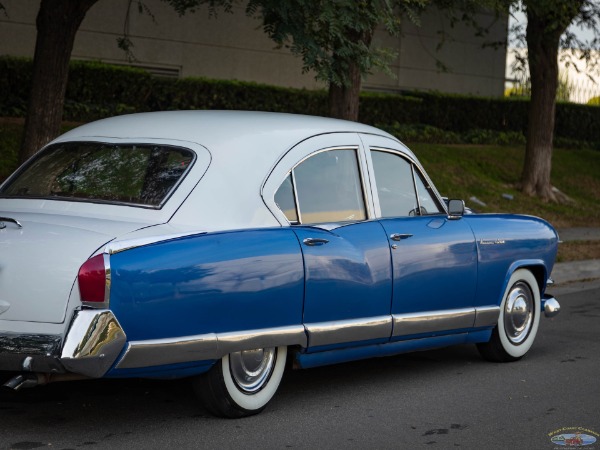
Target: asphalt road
point(440, 399)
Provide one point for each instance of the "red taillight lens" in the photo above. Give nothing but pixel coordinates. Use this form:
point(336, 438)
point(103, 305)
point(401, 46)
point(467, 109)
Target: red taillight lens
point(92, 279)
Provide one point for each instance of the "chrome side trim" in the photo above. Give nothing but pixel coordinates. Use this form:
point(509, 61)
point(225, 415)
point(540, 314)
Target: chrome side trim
point(486, 316)
point(93, 342)
point(351, 330)
point(157, 352)
point(127, 244)
point(431, 321)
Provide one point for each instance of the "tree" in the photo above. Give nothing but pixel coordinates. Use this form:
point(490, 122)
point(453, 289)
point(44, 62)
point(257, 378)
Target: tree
point(547, 31)
point(333, 38)
point(57, 24)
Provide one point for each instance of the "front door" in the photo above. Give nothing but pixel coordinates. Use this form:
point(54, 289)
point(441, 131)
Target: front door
point(434, 259)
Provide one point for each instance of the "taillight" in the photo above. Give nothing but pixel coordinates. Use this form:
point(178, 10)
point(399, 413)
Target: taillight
point(94, 279)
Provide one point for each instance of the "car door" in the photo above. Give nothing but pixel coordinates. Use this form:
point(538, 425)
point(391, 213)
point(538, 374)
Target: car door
point(434, 259)
point(347, 265)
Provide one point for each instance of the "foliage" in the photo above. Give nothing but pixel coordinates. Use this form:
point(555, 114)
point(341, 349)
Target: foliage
point(595, 101)
point(329, 36)
point(522, 88)
point(99, 90)
point(582, 14)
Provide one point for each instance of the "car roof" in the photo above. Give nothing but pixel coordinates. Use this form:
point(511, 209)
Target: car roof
point(217, 129)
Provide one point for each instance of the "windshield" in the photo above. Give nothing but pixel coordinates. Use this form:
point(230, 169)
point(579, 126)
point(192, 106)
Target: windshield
point(93, 171)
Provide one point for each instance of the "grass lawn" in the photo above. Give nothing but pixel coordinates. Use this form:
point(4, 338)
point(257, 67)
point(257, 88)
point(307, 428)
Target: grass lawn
point(465, 171)
point(487, 172)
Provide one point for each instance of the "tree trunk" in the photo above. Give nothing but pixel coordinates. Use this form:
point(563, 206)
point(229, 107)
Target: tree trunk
point(344, 100)
point(543, 35)
point(57, 24)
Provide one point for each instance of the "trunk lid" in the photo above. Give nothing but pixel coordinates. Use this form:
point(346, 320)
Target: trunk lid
point(39, 261)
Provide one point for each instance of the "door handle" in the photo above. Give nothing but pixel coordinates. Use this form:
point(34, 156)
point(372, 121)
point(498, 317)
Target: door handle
point(312, 242)
point(399, 237)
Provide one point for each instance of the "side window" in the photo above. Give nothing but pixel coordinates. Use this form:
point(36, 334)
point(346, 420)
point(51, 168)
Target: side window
point(395, 186)
point(328, 189)
point(284, 197)
point(426, 197)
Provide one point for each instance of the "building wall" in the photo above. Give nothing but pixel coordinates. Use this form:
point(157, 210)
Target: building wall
point(232, 46)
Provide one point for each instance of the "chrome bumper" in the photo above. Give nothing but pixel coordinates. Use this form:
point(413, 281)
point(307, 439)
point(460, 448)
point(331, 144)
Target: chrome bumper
point(550, 305)
point(94, 341)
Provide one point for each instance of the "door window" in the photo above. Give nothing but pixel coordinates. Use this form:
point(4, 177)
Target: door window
point(326, 187)
point(397, 186)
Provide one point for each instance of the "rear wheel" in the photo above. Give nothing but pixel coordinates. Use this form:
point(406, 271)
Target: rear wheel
point(518, 321)
point(242, 383)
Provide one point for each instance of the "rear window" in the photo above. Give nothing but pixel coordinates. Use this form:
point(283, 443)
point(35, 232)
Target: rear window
point(142, 175)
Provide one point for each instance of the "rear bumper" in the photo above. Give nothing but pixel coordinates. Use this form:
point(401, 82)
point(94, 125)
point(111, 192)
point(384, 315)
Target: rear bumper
point(94, 341)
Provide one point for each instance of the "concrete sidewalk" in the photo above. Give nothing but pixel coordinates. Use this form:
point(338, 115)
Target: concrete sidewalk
point(568, 272)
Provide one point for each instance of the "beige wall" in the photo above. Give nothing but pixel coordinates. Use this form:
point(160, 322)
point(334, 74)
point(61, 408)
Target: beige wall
point(232, 46)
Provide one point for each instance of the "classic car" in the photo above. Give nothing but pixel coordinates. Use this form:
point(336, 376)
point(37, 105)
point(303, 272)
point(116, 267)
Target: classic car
point(217, 245)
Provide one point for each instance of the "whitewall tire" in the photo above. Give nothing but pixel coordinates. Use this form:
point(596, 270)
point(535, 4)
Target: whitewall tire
point(242, 383)
point(518, 322)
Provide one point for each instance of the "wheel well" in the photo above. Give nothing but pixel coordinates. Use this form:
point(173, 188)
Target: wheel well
point(539, 273)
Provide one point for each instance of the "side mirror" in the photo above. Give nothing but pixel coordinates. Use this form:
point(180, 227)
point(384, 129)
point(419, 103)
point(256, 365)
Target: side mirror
point(456, 209)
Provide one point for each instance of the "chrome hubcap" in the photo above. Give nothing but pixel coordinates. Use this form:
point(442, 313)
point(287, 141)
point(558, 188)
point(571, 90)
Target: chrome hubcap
point(518, 313)
point(251, 369)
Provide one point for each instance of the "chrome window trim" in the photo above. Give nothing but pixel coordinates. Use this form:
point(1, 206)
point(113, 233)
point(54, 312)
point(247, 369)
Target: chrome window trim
point(415, 166)
point(349, 330)
point(414, 182)
point(209, 346)
point(296, 204)
point(432, 321)
point(361, 168)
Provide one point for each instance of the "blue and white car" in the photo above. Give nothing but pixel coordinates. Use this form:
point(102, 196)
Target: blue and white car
point(218, 245)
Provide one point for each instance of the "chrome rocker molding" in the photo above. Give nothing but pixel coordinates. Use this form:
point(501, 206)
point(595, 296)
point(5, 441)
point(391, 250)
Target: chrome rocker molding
point(209, 346)
point(453, 319)
point(95, 338)
point(351, 330)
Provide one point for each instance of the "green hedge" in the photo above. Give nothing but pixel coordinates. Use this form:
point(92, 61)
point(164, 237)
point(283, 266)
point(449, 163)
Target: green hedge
point(97, 90)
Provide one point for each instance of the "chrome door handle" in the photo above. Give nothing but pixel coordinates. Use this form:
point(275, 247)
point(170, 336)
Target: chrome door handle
point(399, 237)
point(315, 241)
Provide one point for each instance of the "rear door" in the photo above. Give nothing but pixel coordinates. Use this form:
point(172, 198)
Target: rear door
point(324, 197)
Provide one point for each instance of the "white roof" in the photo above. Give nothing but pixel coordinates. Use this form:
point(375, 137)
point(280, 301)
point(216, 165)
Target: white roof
point(218, 129)
point(240, 148)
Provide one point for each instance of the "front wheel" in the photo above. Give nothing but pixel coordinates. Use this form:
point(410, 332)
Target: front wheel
point(518, 321)
point(242, 383)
